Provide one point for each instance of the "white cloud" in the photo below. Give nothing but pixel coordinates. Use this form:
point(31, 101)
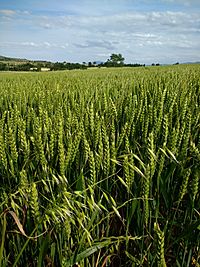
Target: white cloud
point(33, 45)
point(7, 12)
point(14, 13)
point(141, 36)
point(23, 12)
point(126, 22)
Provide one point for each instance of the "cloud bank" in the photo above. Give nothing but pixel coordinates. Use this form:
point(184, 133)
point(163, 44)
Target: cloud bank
point(144, 36)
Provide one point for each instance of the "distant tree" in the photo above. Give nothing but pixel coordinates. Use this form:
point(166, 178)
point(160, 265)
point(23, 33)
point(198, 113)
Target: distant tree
point(3, 66)
point(134, 65)
point(115, 60)
point(22, 67)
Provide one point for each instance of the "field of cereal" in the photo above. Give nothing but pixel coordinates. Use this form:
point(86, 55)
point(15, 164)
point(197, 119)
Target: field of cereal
point(100, 167)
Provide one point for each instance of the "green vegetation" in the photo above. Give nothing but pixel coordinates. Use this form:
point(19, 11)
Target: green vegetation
point(100, 168)
point(116, 60)
point(38, 66)
point(12, 64)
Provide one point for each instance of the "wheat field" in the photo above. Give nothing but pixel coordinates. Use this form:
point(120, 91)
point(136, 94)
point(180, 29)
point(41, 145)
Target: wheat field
point(100, 167)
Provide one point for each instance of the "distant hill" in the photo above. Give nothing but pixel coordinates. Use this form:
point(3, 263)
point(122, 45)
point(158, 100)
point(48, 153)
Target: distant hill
point(18, 64)
point(20, 60)
point(197, 62)
point(2, 58)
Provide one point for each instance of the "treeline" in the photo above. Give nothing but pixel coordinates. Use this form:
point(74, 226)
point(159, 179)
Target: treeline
point(67, 66)
point(41, 66)
point(115, 60)
point(49, 66)
point(108, 64)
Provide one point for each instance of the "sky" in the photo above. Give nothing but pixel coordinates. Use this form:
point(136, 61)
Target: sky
point(143, 31)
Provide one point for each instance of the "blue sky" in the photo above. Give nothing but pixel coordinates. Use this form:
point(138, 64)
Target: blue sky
point(143, 31)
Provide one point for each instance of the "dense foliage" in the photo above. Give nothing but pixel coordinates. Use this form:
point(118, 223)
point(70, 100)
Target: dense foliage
point(100, 167)
point(38, 66)
point(11, 64)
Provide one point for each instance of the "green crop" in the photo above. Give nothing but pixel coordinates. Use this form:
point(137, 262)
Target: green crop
point(100, 167)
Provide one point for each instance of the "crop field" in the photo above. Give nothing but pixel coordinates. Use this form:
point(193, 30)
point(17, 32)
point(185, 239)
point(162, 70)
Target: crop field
point(100, 167)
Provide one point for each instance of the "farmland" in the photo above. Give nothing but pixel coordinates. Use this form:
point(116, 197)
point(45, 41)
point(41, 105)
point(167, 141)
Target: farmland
point(100, 167)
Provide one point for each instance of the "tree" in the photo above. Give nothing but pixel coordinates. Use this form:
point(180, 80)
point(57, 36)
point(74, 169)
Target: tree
point(115, 60)
point(3, 66)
